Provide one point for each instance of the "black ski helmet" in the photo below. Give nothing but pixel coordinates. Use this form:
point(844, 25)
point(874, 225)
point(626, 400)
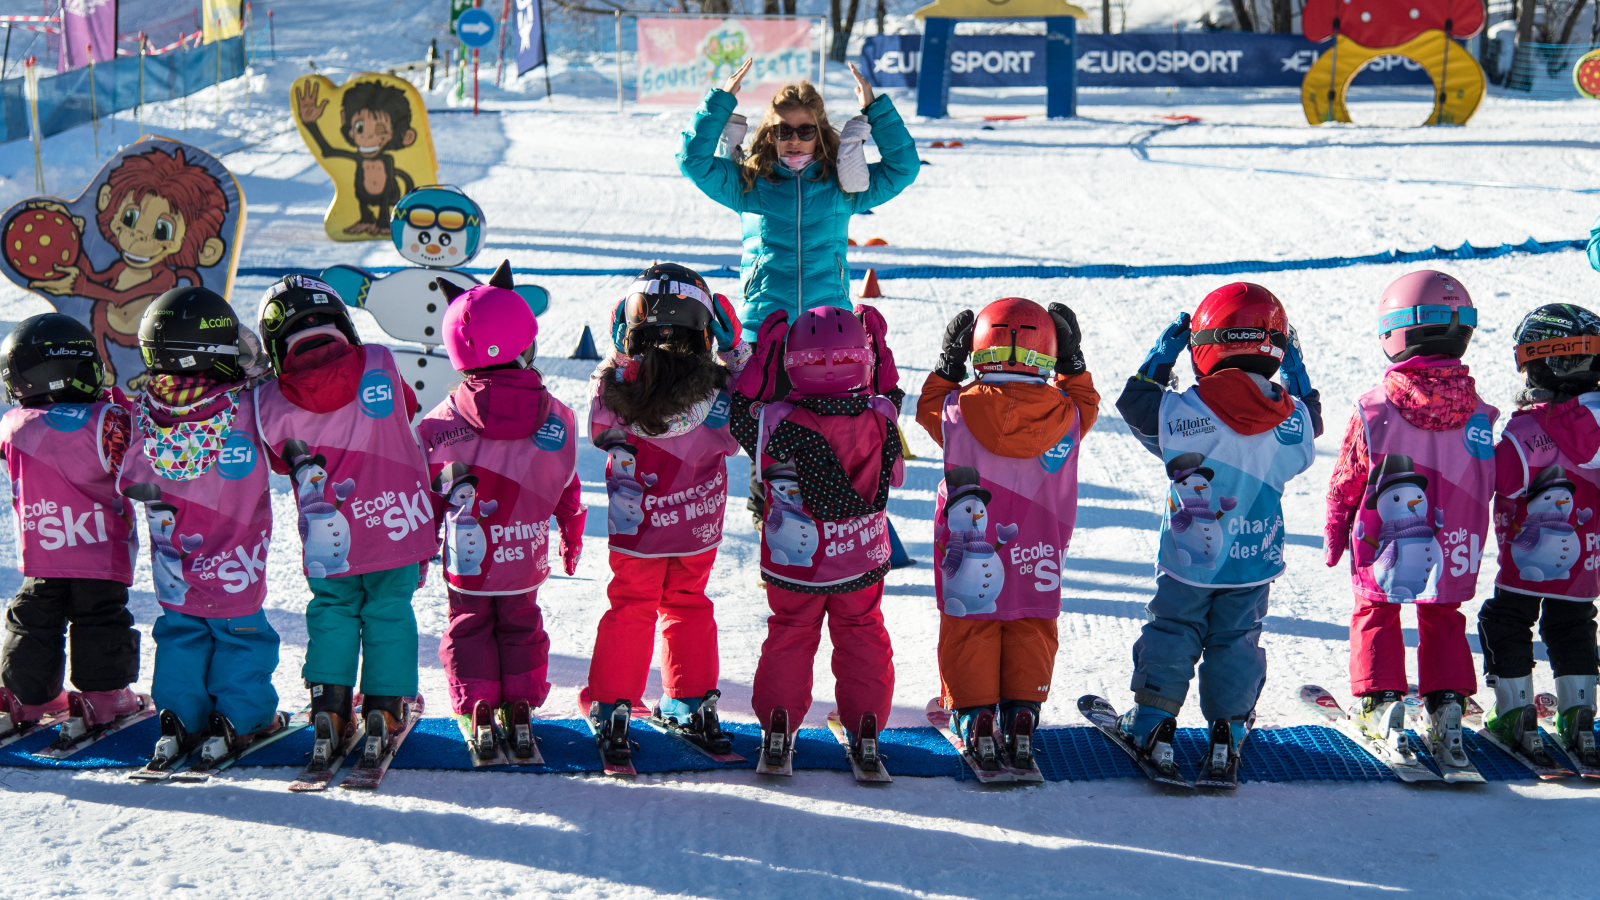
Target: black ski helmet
point(191, 331)
point(1558, 348)
point(666, 301)
point(296, 303)
point(50, 358)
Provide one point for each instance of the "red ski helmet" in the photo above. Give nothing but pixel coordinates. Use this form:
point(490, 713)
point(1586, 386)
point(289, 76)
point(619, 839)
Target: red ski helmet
point(1239, 325)
point(1014, 335)
point(827, 353)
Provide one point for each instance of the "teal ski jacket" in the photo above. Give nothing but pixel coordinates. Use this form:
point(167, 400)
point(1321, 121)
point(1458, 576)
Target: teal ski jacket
point(795, 229)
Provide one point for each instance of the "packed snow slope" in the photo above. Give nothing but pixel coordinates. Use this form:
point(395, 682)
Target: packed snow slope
point(568, 183)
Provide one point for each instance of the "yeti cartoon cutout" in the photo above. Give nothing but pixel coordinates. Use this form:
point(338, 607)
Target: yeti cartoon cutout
point(974, 573)
point(625, 484)
point(324, 530)
point(1196, 528)
point(791, 534)
point(1410, 560)
point(465, 544)
point(171, 548)
point(1546, 545)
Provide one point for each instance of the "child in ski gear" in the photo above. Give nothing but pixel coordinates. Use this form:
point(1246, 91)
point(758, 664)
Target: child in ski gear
point(337, 420)
point(503, 457)
point(660, 412)
point(1229, 443)
point(63, 444)
point(793, 207)
point(199, 475)
point(1010, 442)
point(1547, 490)
point(828, 453)
point(1412, 487)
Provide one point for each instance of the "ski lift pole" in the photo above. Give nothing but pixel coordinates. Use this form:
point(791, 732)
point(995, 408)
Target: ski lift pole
point(94, 112)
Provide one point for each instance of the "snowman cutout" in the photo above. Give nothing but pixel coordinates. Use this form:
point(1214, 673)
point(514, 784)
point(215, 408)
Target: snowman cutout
point(625, 484)
point(1546, 546)
point(1196, 527)
point(171, 548)
point(974, 574)
point(324, 530)
point(791, 534)
point(465, 543)
point(1409, 559)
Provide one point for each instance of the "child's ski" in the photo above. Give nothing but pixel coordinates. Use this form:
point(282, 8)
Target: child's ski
point(1405, 766)
point(168, 755)
point(202, 769)
point(1103, 716)
point(868, 764)
point(691, 738)
point(318, 779)
point(1220, 768)
point(612, 759)
point(1547, 769)
point(66, 746)
point(765, 764)
point(1417, 715)
point(24, 729)
point(368, 775)
point(1547, 714)
point(939, 718)
point(484, 746)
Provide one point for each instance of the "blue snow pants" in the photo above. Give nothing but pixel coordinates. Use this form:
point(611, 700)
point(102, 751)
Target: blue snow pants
point(1220, 628)
point(216, 664)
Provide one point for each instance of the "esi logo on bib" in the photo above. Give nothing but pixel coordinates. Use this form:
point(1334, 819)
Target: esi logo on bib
point(237, 458)
point(552, 435)
point(67, 417)
point(721, 411)
point(1056, 457)
point(1290, 431)
point(376, 394)
point(1479, 437)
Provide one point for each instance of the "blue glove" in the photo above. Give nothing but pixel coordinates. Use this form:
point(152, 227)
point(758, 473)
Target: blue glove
point(619, 324)
point(1168, 347)
point(1293, 370)
point(725, 325)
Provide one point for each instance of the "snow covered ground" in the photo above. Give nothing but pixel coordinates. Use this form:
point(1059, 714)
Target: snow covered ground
point(567, 183)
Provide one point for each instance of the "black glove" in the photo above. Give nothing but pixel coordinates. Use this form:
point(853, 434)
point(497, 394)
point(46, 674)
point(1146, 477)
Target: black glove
point(1069, 341)
point(957, 347)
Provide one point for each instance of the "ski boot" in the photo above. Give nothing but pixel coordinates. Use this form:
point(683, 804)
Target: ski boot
point(516, 723)
point(1575, 717)
point(864, 743)
point(223, 741)
point(1382, 716)
point(612, 720)
point(484, 744)
point(1515, 720)
point(90, 712)
point(1018, 718)
point(975, 725)
point(17, 716)
point(776, 744)
point(332, 708)
point(1220, 767)
point(1445, 709)
point(1157, 747)
point(175, 742)
point(697, 719)
point(383, 716)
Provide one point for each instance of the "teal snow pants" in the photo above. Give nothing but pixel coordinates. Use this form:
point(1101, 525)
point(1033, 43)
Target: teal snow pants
point(367, 617)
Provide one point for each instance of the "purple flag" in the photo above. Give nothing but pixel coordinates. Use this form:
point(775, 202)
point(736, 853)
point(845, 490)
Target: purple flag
point(86, 24)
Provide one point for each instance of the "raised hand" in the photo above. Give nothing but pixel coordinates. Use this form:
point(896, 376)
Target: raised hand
point(725, 325)
point(957, 347)
point(732, 84)
point(1168, 347)
point(1069, 341)
point(307, 106)
point(863, 87)
point(1293, 370)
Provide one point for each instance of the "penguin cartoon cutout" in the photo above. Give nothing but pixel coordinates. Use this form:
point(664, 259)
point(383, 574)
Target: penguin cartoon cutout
point(1196, 528)
point(324, 530)
point(625, 484)
point(791, 535)
point(974, 573)
point(465, 543)
point(171, 548)
point(1409, 558)
point(1546, 546)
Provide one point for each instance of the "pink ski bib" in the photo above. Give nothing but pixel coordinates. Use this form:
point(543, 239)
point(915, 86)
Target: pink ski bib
point(209, 535)
point(1548, 530)
point(1421, 531)
point(68, 519)
point(363, 495)
point(667, 494)
point(1000, 548)
point(499, 497)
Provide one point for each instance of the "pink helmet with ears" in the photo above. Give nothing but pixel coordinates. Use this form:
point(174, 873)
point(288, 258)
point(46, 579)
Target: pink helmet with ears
point(1425, 313)
point(488, 324)
point(827, 353)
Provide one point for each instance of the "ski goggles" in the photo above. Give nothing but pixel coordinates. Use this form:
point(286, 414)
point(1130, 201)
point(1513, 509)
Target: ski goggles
point(427, 217)
point(1237, 334)
point(788, 132)
point(1003, 354)
point(676, 288)
point(860, 355)
point(1577, 345)
point(1427, 315)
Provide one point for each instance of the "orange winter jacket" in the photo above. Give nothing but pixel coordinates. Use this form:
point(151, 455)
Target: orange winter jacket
point(1015, 419)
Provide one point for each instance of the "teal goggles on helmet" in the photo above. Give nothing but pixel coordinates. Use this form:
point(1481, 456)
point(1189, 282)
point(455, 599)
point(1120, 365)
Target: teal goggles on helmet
point(1433, 314)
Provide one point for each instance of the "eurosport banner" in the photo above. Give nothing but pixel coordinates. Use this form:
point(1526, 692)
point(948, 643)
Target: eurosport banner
point(1198, 59)
point(529, 22)
point(679, 59)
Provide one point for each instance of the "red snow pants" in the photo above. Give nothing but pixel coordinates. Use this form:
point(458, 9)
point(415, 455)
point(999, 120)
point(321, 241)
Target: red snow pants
point(863, 661)
point(495, 649)
point(673, 587)
point(1378, 649)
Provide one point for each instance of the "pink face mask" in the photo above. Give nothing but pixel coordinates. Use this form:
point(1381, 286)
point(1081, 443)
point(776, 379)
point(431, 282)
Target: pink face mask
point(798, 162)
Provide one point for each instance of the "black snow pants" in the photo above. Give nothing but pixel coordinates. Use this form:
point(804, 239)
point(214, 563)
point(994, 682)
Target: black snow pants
point(1505, 627)
point(105, 646)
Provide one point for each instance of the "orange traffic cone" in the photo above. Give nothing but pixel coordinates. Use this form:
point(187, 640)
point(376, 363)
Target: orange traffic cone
point(869, 287)
point(877, 242)
point(851, 242)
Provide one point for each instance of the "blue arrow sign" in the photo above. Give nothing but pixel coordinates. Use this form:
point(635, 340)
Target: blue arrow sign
point(475, 28)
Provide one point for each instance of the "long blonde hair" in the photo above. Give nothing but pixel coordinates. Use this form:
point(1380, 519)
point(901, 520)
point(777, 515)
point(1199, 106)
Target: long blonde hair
point(762, 157)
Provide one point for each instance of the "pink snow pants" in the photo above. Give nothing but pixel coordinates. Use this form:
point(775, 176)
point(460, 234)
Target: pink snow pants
point(495, 650)
point(1378, 649)
point(673, 587)
point(863, 661)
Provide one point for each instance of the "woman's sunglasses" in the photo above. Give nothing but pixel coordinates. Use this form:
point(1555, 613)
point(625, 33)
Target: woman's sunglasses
point(803, 133)
point(448, 219)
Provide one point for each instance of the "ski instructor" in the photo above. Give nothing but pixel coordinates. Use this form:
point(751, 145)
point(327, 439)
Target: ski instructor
point(796, 188)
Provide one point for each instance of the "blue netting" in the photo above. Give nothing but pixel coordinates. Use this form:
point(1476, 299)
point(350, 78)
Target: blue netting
point(1544, 71)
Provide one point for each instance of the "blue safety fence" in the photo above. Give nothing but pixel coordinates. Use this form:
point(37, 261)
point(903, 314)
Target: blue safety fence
point(1544, 71)
point(66, 101)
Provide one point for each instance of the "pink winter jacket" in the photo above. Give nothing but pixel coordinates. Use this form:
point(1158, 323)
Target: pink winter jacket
point(1434, 393)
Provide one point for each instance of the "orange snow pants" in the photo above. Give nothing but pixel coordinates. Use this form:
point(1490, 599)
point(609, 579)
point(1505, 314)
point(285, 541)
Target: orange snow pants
point(984, 661)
